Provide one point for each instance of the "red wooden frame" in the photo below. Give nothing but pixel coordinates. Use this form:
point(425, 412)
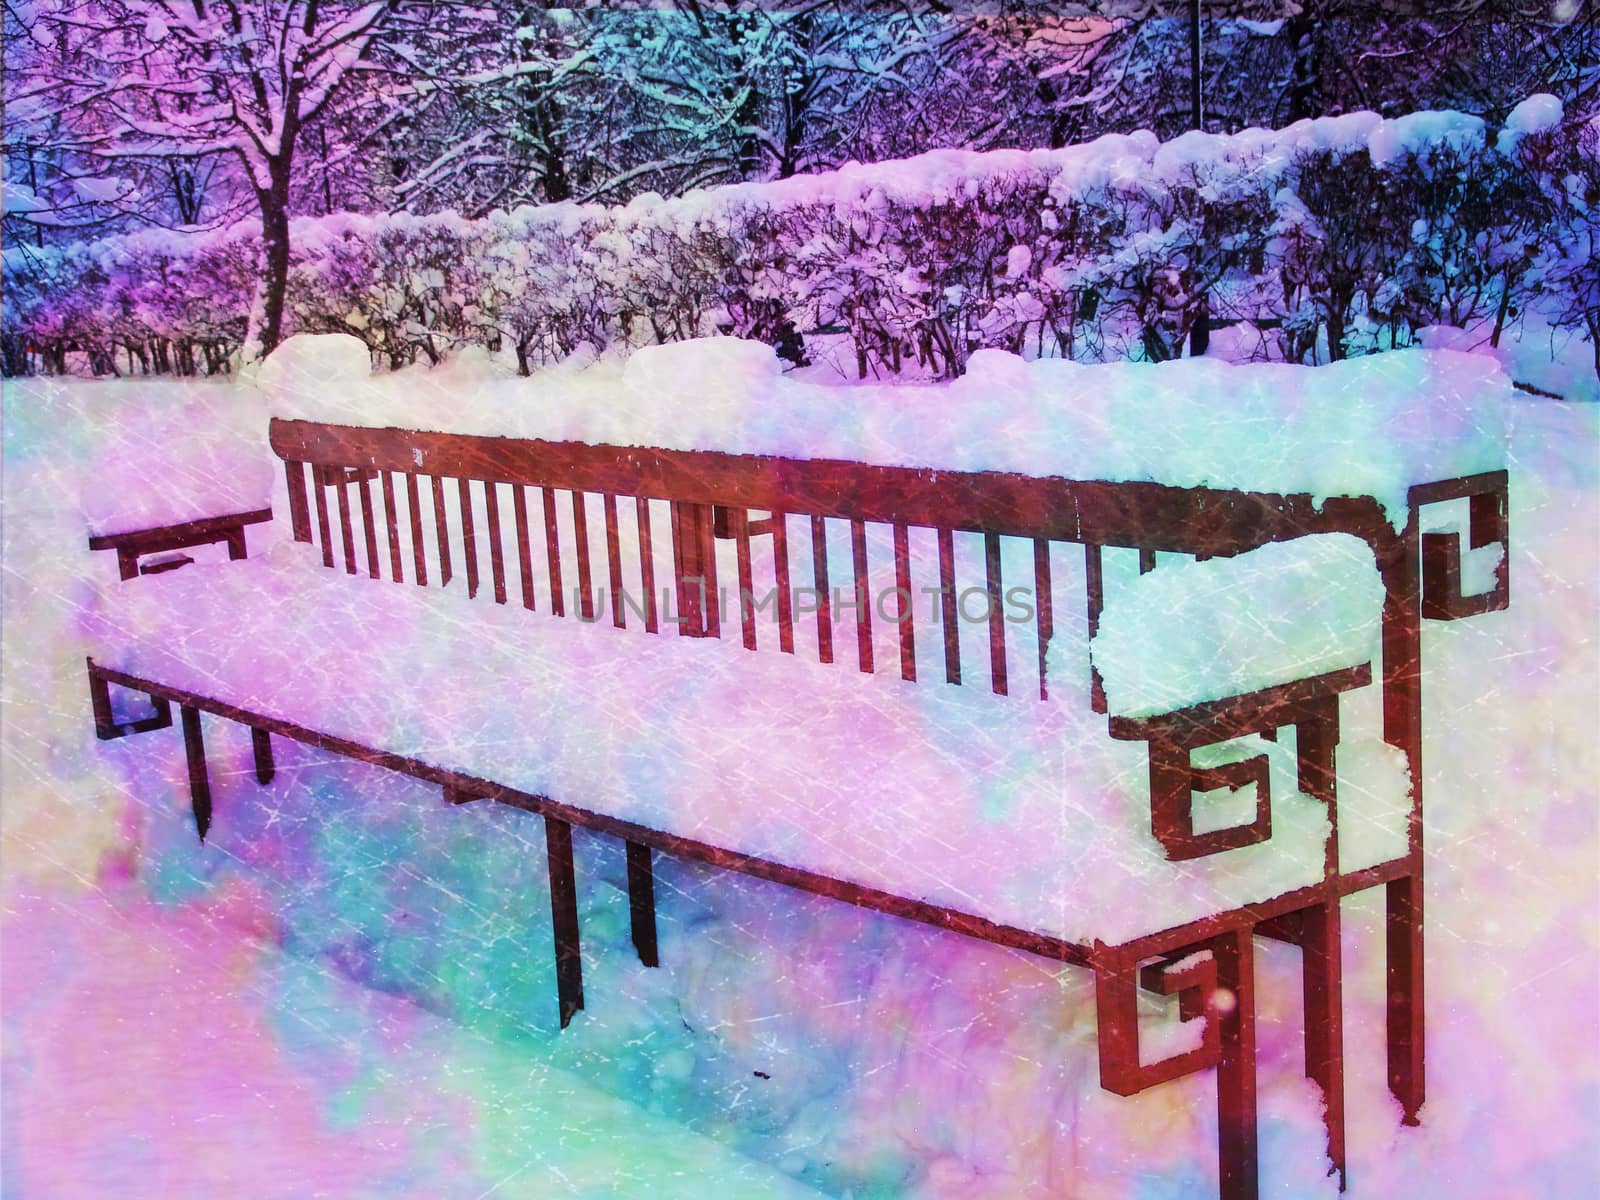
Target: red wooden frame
point(711, 494)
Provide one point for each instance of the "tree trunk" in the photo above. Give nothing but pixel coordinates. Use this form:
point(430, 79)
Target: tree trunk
point(1304, 75)
point(274, 202)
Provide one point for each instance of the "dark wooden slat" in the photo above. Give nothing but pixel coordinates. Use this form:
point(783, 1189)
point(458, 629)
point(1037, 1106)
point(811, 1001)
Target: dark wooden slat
point(642, 903)
point(299, 517)
point(863, 591)
point(747, 583)
point(1095, 588)
point(519, 505)
point(419, 558)
point(564, 917)
point(694, 559)
point(1043, 608)
point(948, 615)
point(580, 536)
point(320, 494)
point(552, 552)
point(469, 534)
point(1147, 560)
point(346, 532)
point(997, 616)
point(647, 564)
point(819, 576)
point(906, 601)
point(368, 527)
point(497, 559)
point(780, 573)
point(614, 559)
point(391, 524)
point(441, 529)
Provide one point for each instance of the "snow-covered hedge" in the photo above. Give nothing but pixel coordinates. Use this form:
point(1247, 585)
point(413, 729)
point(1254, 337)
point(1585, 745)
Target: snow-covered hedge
point(1336, 236)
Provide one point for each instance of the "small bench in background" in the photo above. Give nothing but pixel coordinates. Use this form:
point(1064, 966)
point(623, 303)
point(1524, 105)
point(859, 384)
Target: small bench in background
point(134, 545)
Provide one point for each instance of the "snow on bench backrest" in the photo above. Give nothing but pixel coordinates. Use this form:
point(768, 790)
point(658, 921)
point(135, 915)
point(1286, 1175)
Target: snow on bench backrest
point(921, 530)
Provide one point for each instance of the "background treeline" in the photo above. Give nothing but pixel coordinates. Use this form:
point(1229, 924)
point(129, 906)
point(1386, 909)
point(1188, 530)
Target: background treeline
point(1332, 237)
point(195, 115)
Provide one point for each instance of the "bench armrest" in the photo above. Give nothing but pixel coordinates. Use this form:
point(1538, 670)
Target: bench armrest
point(133, 544)
point(1310, 705)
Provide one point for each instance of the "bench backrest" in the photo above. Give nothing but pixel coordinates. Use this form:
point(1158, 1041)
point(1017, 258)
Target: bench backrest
point(710, 496)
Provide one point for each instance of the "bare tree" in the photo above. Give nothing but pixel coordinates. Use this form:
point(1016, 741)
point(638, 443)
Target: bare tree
point(187, 81)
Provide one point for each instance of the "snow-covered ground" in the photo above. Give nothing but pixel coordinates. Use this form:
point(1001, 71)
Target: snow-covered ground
point(186, 1022)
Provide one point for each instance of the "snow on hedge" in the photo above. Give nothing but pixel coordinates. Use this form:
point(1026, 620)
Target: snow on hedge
point(1370, 426)
point(1337, 234)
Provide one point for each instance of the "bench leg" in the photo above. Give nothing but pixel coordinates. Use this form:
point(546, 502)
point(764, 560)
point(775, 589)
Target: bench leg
point(642, 903)
point(261, 746)
point(1236, 1072)
point(564, 914)
point(1406, 1076)
point(194, 749)
point(1324, 1016)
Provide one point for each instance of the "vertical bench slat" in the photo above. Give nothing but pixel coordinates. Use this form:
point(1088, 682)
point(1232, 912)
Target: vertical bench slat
point(497, 560)
point(441, 527)
point(997, 616)
point(580, 535)
point(694, 558)
point(1147, 560)
point(369, 528)
point(780, 573)
point(419, 559)
point(947, 606)
point(1043, 607)
point(647, 563)
point(907, 604)
point(614, 559)
point(863, 590)
point(469, 534)
point(819, 575)
point(347, 535)
point(552, 553)
point(391, 524)
point(519, 505)
point(294, 474)
point(1095, 589)
point(747, 584)
point(319, 481)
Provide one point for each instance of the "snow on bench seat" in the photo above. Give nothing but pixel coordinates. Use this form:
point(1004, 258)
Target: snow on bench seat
point(1020, 811)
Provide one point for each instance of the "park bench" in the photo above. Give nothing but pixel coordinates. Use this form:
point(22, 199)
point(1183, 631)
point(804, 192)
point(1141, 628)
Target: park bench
point(632, 542)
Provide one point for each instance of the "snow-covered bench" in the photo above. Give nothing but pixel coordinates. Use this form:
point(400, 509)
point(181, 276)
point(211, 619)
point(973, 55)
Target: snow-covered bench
point(1059, 816)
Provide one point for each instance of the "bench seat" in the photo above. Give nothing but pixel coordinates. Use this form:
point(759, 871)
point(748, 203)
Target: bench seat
point(1021, 811)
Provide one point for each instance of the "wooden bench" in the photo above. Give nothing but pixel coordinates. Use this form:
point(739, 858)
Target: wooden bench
point(524, 520)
